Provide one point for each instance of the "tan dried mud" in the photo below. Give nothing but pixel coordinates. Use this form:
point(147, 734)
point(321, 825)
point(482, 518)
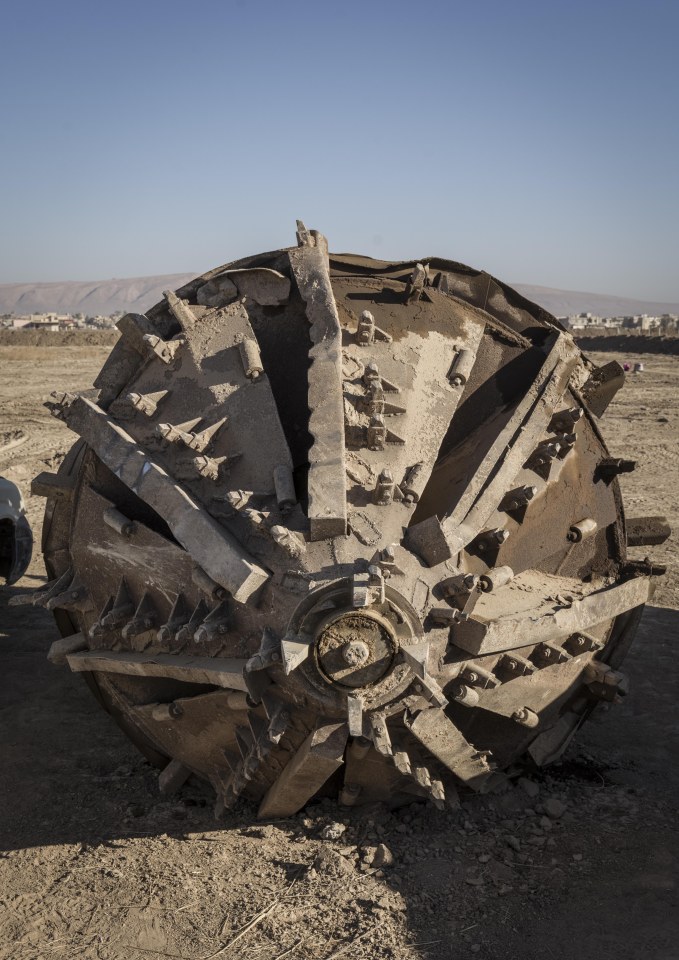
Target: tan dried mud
point(579, 861)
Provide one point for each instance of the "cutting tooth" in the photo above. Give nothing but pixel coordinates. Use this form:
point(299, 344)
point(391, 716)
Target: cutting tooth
point(74, 597)
point(201, 441)
point(179, 616)
point(438, 793)
point(186, 632)
point(421, 775)
point(379, 733)
point(402, 762)
point(51, 589)
point(279, 717)
point(609, 467)
point(147, 403)
point(372, 373)
point(122, 608)
point(180, 310)
point(212, 468)
point(416, 656)
point(517, 499)
point(293, 653)
point(98, 629)
point(564, 420)
point(165, 350)
point(355, 716)
point(144, 619)
point(416, 284)
point(177, 432)
point(385, 488)
point(216, 624)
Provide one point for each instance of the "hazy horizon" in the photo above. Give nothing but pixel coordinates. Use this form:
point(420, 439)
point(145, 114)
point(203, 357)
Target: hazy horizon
point(532, 141)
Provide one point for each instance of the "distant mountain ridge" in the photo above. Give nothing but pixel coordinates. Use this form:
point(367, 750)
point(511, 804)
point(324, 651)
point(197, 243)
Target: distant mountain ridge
point(137, 294)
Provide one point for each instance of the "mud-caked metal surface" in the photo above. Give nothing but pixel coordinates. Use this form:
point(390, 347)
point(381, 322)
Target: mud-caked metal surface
point(343, 526)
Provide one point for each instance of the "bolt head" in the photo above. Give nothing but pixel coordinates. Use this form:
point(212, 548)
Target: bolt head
point(355, 653)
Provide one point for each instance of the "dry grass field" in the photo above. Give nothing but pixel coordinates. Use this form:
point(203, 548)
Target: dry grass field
point(580, 861)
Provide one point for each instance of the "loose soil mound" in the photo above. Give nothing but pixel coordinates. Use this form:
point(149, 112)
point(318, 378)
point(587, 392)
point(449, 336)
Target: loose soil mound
point(630, 343)
point(60, 338)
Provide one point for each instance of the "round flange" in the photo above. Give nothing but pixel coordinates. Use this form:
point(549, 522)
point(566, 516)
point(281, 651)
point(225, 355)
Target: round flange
point(355, 648)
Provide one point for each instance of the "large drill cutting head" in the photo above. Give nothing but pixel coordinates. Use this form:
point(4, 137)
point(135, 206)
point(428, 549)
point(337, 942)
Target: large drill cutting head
point(336, 525)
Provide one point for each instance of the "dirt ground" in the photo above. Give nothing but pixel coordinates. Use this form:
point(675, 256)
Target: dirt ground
point(578, 861)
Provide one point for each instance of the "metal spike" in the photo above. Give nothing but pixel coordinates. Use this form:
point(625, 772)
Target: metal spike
point(146, 403)
point(179, 616)
point(442, 282)
point(384, 491)
point(373, 401)
point(394, 438)
point(173, 433)
point(75, 597)
point(541, 459)
point(186, 632)
point(98, 629)
point(216, 624)
point(421, 775)
point(144, 619)
point(213, 468)
point(416, 284)
point(517, 499)
point(304, 238)
point(165, 350)
point(279, 718)
point(355, 715)
point(416, 656)
point(293, 653)
point(371, 373)
point(365, 334)
point(564, 420)
point(610, 467)
point(180, 310)
point(377, 433)
point(414, 482)
point(379, 734)
point(292, 543)
point(201, 441)
point(60, 403)
point(402, 762)
point(121, 609)
point(53, 588)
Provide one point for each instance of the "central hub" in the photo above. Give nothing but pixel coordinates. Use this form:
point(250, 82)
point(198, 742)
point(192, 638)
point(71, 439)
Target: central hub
point(356, 649)
point(355, 652)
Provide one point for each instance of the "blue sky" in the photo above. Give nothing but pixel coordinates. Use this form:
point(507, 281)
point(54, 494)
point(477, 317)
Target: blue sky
point(536, 140)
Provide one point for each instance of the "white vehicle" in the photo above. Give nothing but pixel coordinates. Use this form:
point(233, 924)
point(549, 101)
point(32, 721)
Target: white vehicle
point(16, 539)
